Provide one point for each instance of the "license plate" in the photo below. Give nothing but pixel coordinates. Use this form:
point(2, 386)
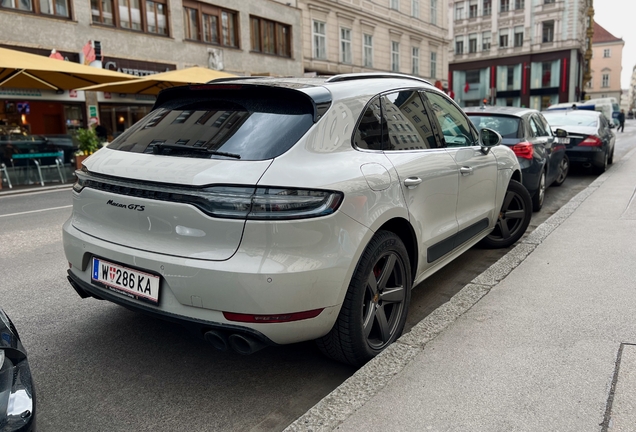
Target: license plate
point(131, 283)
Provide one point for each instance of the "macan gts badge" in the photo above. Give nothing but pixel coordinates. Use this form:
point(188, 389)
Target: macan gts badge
point(268, 211)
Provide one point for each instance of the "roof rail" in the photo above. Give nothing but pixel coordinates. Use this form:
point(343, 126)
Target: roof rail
point(370, 75)
point(236, 78)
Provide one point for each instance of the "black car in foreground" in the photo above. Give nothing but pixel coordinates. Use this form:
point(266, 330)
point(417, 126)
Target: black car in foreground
point(17, 394)
point(591, 140)
point(540, 151)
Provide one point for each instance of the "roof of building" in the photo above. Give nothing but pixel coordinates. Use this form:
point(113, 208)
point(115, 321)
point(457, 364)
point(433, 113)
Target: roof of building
point(603, 36)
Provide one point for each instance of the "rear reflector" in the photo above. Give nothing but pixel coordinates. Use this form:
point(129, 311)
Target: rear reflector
point(295, 316)
point(524, 150)
point(591, 141)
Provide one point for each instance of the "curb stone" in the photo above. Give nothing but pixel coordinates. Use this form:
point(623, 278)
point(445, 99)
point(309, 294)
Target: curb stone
point(369, 380)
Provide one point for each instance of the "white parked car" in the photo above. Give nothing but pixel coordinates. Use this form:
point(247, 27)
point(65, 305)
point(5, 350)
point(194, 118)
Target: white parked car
point(276, 210)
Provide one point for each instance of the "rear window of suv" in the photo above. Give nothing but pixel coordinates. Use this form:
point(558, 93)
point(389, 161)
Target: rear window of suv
point(506, 126)
point(248, 123)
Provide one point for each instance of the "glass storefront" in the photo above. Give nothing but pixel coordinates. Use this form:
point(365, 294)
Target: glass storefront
point(117, 118)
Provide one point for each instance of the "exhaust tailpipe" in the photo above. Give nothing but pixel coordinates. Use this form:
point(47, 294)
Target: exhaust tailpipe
point(217, 339)
point(244, 344)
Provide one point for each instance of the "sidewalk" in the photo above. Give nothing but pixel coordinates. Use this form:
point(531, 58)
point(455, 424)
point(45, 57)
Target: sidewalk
point(542, 341)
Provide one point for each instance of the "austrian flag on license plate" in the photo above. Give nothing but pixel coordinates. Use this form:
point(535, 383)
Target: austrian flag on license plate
point(126, 281)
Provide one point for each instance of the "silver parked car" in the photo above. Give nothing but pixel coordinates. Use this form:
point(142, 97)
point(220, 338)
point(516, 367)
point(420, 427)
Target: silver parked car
point(276, 210)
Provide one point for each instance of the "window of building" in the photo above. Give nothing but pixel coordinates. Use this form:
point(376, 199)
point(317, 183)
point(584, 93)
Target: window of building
point(546, 74)
point(395, 56)
point(548, 1)
point(504, 5)
point(487, 7)
point(472, 43)
point(590, 83)
point(510, 78)
point(472, 9)
point(472, 76)
point(415, 57)
point(459, 45)
point(503, 38)
point(485, 40)
point(434, 12)
point(605, 80)
point(345, 45)
point(459, 11)
point(433, 64)
point(207, 23)
point(519, 4)
point(415, 8)
point(56, 8)
point(548, 31)
point(519, 36)
point(607, 52)
point(130, 14)
point(395, 4)
point(270, 37)
point(367, 50)
point(319, 37)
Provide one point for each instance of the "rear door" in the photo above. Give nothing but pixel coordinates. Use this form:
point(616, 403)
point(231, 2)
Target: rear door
point(478, 170)
point(427, 172)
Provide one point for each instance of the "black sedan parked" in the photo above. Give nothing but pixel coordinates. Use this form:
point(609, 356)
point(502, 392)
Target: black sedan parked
point(540, 153)
point(591, 140)
point(17, 394)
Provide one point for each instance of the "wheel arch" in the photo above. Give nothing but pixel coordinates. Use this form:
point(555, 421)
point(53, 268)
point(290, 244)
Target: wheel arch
point(403, 229)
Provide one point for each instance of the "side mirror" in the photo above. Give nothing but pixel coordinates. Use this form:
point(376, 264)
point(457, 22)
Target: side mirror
point(488, 138)
point(612, 125)
point(561, 133)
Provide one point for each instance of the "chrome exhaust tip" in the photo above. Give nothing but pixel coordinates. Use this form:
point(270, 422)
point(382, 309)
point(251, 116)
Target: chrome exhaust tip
point(217, 339)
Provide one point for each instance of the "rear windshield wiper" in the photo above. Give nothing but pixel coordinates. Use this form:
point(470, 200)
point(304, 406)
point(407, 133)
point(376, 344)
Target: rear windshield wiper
point(159, 148)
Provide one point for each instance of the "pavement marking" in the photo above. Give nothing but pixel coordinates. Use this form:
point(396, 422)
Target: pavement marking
point(36, 211)
point(11, 193)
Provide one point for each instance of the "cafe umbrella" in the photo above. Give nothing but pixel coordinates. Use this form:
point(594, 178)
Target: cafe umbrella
point(30, 71)
point(153, 84)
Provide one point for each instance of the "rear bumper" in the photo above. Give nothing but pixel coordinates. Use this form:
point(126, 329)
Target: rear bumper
point(591, 155)
point(278, 269)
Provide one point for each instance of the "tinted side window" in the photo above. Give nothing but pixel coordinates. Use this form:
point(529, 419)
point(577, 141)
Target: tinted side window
point(455, 126)
point(540, 129)
point(369, 133)
point(534, 130)
point(407, 124)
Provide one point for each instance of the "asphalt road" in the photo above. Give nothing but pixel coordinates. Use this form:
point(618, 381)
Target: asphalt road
point(100, 367)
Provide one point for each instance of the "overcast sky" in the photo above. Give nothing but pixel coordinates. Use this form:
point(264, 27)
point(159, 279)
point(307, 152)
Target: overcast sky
point(619, 18)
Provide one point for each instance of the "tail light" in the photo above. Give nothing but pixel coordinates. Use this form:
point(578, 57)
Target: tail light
point(524, 150)
point(233, 202)
point(591, 141)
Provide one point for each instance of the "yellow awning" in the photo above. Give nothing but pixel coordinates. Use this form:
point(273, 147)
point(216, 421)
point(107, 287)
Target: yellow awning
point(31, 71)
point(153, 84)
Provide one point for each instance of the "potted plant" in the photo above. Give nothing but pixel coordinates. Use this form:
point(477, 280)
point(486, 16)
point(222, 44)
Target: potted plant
point(88, 144)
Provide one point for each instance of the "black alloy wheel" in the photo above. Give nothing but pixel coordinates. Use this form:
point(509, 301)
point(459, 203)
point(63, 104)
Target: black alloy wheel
point(376, 305)
point(539, 195)
point(564, 169)
point(514, 217)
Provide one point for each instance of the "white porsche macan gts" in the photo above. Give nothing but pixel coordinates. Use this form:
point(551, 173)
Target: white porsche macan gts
point(266, 211)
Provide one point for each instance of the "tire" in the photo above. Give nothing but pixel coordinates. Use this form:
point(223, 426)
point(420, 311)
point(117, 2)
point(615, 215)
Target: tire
point(601, 169)
point(539, 195)
point(564, 169)
point(513, 219)
point(611, 158)
point(376, 305)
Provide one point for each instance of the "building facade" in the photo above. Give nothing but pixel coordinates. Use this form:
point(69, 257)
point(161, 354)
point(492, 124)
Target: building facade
point(606, 65)
point(529, 53)
point(405, 36)
point(142, 37)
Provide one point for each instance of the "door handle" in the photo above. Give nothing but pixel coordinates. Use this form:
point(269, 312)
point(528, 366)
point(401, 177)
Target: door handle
point(466, 170)
point(412, 182)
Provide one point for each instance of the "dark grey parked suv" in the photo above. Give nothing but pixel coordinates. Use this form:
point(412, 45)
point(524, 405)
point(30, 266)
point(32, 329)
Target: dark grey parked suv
point(540, 152)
